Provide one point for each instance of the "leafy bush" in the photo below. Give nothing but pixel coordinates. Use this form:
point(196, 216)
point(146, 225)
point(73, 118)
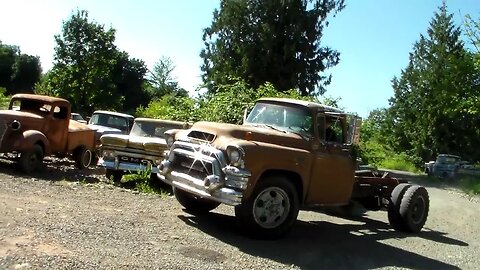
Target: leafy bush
point(378, 154)
point(143, 182)
point(4, 100)
point(227, 105)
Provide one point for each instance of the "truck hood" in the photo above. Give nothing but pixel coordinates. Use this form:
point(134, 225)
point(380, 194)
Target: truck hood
point(152, 144)
point(27, 120)
point(103, 129)
point(12, 115)
point(74, 126)
point(221, 134)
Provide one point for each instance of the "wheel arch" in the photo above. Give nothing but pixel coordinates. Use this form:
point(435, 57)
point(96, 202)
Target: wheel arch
point(293, 177)
point(32, 137)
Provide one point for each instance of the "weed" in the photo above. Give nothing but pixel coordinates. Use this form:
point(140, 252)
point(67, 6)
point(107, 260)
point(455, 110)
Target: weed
point(143, 181)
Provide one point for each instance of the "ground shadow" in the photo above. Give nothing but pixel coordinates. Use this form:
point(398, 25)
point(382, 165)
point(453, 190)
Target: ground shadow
point(53, 169)
point(327, 245)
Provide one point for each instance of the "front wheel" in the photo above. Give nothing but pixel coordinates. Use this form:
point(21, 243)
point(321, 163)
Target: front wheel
point(83, 157)
point(272, 209)
point(30, 160)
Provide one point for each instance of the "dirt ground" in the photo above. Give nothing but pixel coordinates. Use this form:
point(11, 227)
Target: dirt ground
point(61, 218)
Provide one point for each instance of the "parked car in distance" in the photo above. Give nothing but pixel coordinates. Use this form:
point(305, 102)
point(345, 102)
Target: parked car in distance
point(108, 122)
point(445, 165)
point(142, 149)
point(77, 117)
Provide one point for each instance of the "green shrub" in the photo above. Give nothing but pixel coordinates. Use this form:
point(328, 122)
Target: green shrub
point(142, 182)
point(380, 155)
point(227, 105)
point(4, 100)
point(470, 184)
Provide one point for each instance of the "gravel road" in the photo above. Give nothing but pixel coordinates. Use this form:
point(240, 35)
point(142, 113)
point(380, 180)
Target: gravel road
point(62, 219)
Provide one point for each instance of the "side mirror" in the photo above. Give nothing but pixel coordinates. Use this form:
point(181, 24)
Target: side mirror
point(354, 124)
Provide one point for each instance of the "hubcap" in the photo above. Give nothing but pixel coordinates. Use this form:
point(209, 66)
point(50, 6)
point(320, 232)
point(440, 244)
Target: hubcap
point(87, 158)
point(418, 210)
point(271, 207)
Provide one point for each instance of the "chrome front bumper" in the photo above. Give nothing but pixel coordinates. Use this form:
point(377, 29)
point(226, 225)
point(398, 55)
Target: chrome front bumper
point(220, 182)
point(125, 166)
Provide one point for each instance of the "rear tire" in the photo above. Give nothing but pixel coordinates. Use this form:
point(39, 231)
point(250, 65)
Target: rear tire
point(194, 204)
point(410, 211)
point(271, 210)
point(83, 157)
point(394, 217)
point(31, 160)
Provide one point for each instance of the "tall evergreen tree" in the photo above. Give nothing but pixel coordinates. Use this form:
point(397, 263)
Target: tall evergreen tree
point(435, 104)
point(270, 41)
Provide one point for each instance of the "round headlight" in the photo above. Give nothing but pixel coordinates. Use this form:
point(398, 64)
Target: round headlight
point(169, 140)
point(107, 154)
point(234, 154)
point(15, 125)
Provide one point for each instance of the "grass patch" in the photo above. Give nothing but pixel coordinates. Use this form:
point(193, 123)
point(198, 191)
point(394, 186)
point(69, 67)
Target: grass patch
point(144, 182)
point(470, 184)
point(398, 164)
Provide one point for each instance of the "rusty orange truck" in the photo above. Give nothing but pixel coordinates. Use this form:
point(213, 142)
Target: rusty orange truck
point(35, 126)
point(288, 155)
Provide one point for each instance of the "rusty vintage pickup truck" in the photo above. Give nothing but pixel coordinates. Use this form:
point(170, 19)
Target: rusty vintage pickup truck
point(288, 155)
point(35, 126)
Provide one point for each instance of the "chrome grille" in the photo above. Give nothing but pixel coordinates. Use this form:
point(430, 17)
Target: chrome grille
point(196, 168)
point(203, 136)
point(196, 160)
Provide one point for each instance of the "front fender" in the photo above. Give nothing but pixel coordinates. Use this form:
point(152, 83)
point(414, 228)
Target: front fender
point(262, 157)
point(28, 138)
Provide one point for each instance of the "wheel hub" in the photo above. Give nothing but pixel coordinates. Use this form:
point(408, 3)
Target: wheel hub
point(271, 207)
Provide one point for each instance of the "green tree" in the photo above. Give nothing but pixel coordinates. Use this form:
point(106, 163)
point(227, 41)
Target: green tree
point(26, 72)
point(129, 78)
point(472, 30)
point(18, 72)
point(270, 41)
point(84, 62)
point(8, 53)
point(435, 104)
point(162, 81)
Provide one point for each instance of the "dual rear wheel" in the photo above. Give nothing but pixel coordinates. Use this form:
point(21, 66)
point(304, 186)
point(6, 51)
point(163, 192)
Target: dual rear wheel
point(408, 208)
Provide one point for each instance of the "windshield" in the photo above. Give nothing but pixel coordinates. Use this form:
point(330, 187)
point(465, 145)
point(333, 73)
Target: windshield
point(76, 117)
point(281, 117)
point(150, 129)
point(112, 121)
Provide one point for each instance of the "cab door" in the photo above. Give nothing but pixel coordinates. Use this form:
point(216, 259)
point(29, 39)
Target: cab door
point(333, 170)
point(57, 130)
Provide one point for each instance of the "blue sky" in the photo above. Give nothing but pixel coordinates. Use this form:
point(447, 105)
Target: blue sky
point(374, 37)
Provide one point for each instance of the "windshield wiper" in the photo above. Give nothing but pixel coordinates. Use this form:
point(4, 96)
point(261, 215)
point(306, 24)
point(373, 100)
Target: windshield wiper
point(274, 128)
